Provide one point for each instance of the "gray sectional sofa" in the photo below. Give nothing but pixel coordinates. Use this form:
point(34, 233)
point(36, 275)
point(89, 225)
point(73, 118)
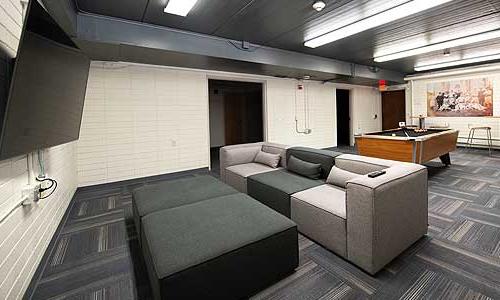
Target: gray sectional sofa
point(202, 239)
point(368, 221)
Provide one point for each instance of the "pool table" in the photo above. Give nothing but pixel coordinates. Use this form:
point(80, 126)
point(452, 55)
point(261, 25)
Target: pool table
point(406, 144)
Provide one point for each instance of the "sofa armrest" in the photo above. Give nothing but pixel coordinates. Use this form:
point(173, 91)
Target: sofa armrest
point(237, 155)
point(385, 215)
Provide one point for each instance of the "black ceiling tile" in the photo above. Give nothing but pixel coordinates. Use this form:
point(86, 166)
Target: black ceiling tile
point(286, 24)
point(125, 9)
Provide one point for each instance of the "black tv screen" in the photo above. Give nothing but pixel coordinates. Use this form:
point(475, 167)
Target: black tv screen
point(47, 89)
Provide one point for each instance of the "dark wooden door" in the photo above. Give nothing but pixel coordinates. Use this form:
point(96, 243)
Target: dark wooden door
point(393, 109)
point(343, 118)
point(234, 114)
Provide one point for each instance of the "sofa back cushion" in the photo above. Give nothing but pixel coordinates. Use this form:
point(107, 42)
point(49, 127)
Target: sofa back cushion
point(323, 157)
point(362, 164)
point(339, 177)
point(304, 168)
point(276, 149)
point(268, 159)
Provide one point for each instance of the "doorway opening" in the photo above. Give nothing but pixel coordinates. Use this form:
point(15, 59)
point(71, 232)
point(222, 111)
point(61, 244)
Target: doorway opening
point(393, 109)
point(343, 118)
point(236, 115)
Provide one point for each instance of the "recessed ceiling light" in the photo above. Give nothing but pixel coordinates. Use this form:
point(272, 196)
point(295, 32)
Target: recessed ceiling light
point(387, 16)
point(319, 5)
point(179, 7)
point(466, 61)
point(485, 36)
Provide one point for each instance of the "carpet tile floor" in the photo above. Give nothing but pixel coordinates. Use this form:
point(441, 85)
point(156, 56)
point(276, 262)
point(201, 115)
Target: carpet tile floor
point(95, 254)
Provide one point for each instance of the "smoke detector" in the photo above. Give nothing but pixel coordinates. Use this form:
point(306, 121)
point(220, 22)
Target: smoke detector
point(319, 5)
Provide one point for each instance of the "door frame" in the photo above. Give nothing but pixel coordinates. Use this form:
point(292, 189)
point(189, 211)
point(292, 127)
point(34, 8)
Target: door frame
point(351, 132)
point(241, 79)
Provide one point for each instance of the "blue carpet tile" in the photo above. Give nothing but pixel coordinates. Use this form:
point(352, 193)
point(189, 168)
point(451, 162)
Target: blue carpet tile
point(95, 254)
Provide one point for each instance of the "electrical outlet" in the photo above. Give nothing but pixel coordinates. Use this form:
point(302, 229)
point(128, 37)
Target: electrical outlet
point(31, 194)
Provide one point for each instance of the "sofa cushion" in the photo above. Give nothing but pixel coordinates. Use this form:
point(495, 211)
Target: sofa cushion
point(323, 157)
point(268, 159)
point(236, 176)
point(200, 250)
point(285, 181)
point(304, 168)
point(339, 177)
point(326, 197)
point(276, 149)
point(274, 188)
point(363, 164)
point(250, 169)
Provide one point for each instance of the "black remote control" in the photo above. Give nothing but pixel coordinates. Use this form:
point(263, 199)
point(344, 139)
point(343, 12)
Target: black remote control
point(376, 174)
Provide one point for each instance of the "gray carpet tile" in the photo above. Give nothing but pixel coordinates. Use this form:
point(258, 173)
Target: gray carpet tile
point(95, 254)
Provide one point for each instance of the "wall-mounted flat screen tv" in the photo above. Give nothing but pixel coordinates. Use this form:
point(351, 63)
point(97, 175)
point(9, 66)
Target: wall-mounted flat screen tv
point(47, 88)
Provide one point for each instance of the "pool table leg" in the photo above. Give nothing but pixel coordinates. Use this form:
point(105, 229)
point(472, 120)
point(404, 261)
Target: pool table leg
point(445, 159)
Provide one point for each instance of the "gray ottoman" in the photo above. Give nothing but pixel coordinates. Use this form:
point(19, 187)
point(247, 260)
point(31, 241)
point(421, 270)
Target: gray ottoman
point(168, 194)
point(228, 247)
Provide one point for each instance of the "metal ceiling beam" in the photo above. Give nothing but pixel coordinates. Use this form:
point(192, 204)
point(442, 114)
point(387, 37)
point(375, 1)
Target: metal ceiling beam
point(64, 13)
point(102, 30)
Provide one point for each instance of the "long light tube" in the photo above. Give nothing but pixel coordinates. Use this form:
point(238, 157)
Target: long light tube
point(465, 61)
point(390, 15)
point(441, 46)
point(179, 7)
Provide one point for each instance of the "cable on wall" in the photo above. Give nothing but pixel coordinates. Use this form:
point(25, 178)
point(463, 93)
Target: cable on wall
point(307, 129)
point(42, 178)
point(53, 187)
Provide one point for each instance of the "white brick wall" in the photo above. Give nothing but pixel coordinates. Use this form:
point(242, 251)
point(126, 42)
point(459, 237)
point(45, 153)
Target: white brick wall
point(144, 120)
point(25, 234)
point(280, 96)
point(10, 25)
point(419, 106)
point(141, 121)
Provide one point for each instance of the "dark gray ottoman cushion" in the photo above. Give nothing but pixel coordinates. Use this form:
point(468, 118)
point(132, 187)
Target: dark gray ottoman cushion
point(168, 194)
point(228, 247)
point(274, 188)
point(325, 158)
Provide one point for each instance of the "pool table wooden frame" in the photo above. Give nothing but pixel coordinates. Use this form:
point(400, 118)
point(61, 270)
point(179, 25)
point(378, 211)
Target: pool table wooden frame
point(409, 149)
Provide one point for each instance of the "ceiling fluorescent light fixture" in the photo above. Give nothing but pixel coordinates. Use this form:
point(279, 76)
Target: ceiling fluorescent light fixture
point(179, 7)
point(466, 61)
point(476, 38)
point(390, 15)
